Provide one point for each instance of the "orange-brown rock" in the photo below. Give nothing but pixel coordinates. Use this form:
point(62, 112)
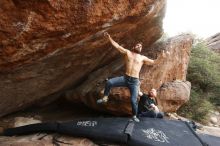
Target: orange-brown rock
point(172, 95)
point(49, 46)
point(174, 67)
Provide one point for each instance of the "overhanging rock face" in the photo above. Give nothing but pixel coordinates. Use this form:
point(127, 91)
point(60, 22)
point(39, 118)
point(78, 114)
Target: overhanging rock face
point(49, 46)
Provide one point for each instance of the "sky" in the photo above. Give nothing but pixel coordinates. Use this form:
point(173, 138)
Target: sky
point(200, 17)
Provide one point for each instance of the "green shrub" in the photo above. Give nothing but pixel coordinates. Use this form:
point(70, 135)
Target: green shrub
point(197, 108)
point(204, 75)
point(204, 68)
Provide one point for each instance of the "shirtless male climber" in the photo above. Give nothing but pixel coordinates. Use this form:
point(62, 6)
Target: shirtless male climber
point(133, 61)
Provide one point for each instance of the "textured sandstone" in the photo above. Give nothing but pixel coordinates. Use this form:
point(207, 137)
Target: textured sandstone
point(174, 67)
point(213, 42)
point(172, 95)
point(49, 46)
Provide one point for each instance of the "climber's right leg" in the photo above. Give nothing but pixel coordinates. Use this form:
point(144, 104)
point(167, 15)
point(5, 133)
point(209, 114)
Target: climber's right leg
point(114, 82)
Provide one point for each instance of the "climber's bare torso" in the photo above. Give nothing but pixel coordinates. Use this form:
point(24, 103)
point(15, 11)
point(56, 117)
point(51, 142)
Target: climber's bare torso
point(133, 64)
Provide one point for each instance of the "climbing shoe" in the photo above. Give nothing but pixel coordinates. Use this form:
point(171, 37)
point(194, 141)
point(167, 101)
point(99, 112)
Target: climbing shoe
point(135, 119)
point(102, 100)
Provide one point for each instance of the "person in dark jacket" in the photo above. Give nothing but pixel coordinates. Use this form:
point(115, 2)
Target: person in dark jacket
point(147, 106)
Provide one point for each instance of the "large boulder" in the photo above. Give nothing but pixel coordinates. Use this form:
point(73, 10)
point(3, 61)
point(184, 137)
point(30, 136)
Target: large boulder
point(172, 68)
point(49, 46)
point(213, 42)
point(172, 95)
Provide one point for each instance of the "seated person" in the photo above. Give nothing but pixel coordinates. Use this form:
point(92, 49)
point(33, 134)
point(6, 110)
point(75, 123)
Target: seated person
point(147, 105)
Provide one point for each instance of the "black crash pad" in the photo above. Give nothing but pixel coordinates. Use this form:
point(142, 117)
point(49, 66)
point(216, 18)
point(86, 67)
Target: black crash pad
point(161, 132)
point(148, 132)
point(210, 139)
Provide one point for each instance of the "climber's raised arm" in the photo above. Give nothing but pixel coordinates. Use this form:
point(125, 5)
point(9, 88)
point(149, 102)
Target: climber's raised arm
point(156, 61)
point(115, 44)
